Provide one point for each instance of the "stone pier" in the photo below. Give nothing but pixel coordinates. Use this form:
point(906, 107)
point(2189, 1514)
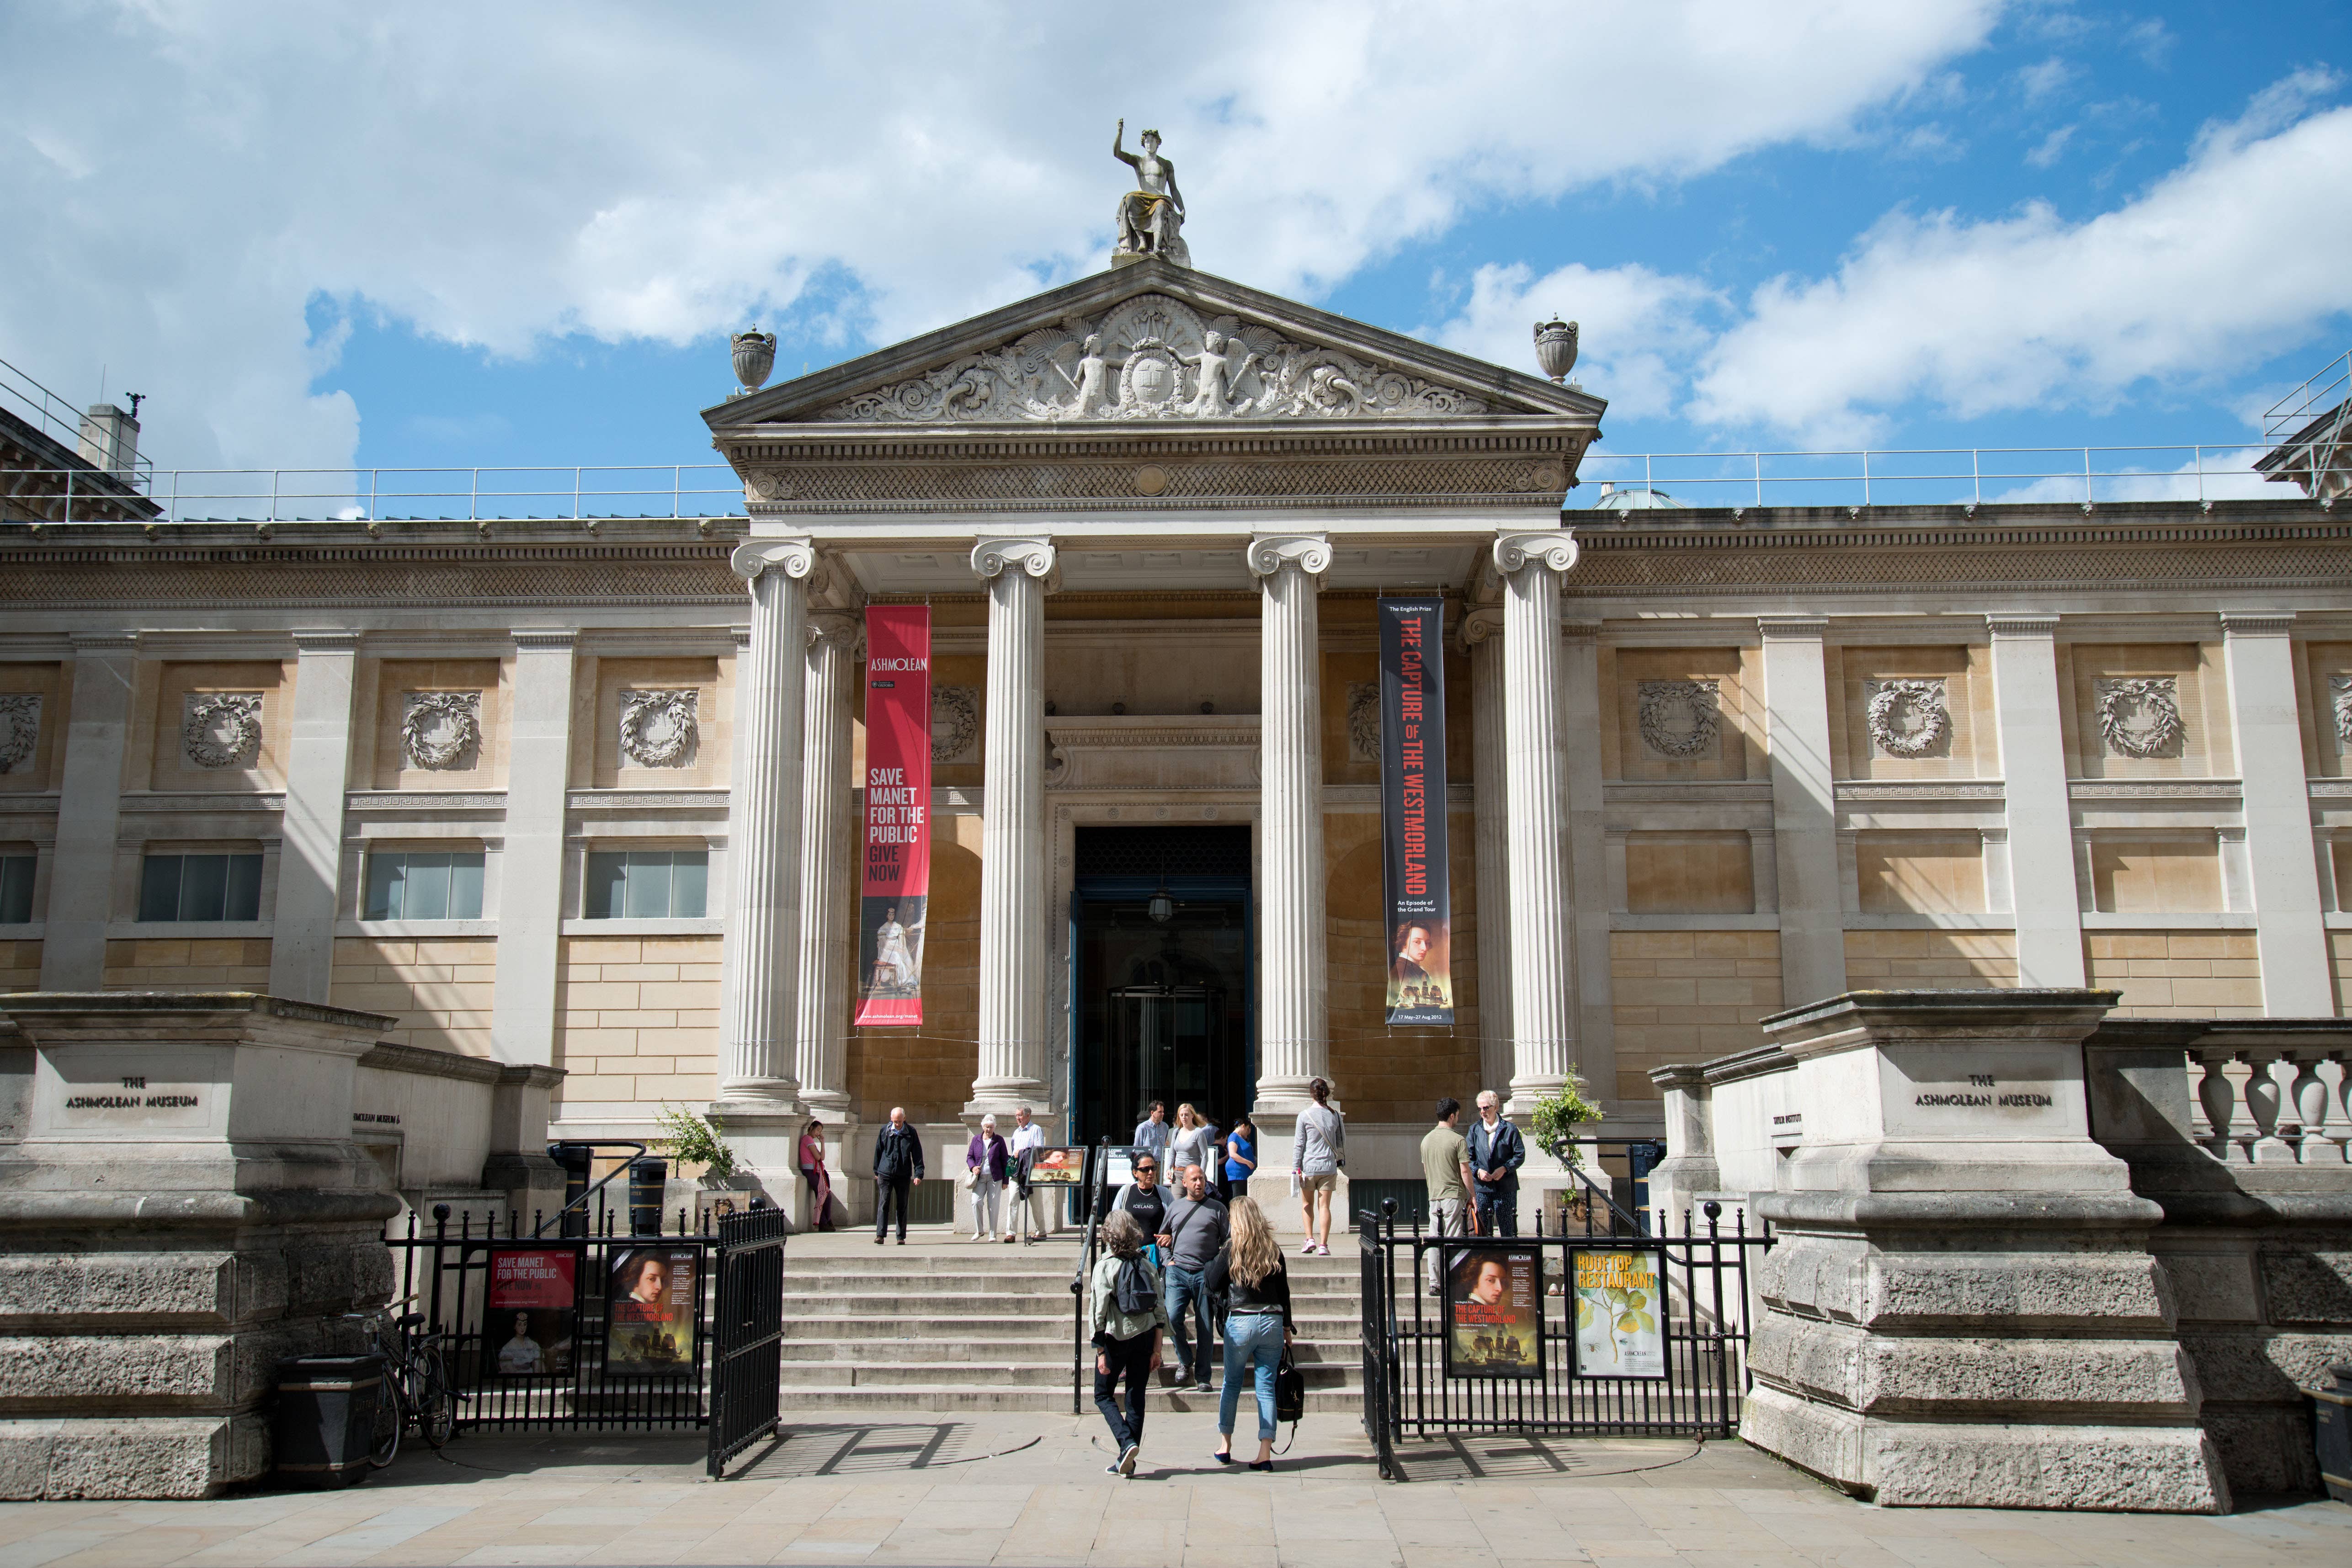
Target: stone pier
point(1962, 1309)
point(180, 1205)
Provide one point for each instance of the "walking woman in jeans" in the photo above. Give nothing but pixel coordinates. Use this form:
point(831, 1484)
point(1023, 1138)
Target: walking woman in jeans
point(1249, 1274)
point(1126, 1336)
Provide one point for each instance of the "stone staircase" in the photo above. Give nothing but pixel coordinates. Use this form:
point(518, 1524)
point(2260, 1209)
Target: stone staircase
point(945, 1325)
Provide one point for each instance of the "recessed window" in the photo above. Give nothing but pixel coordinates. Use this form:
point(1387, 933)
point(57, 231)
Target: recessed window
point(15, 889)
point(423, 884)
point(646, 884)
point(200, 887)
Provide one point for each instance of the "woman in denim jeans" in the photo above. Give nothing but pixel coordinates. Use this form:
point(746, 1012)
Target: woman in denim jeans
point(1250, 1275)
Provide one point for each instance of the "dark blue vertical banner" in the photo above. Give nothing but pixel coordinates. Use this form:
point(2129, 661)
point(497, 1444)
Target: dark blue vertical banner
point(1412, 810)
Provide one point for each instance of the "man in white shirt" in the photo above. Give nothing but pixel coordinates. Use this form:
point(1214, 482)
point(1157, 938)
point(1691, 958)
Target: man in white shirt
point(1152, 1134)
point(1027, 1134)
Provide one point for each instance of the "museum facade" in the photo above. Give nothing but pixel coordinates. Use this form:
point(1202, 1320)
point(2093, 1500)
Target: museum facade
point(587, 793)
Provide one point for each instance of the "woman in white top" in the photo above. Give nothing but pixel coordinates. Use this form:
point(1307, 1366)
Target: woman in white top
point(1193, 1142)
point(1318, 1153)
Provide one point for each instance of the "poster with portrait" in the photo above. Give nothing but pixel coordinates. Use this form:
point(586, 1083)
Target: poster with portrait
point(1494, 1310)
point(1621, 1312)
point(530, 1316)
point(650, 1312)
point(1057, 1167)
point(1420, 909)
point(895, 878)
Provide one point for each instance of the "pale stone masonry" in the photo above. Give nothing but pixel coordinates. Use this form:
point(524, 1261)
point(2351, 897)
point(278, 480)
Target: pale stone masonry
point(1704, 763)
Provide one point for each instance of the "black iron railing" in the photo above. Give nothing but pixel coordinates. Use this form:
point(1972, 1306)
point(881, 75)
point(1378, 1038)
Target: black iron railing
point(1703, 1321)
point(747, 1334)
point(1095, 1188)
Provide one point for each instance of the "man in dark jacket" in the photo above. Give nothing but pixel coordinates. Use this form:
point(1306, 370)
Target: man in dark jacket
point(898, 1170)
point(1497, 1152)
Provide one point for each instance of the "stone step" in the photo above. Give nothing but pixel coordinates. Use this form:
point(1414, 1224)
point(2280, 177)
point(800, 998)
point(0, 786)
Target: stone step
point(1008, 1351)
point(974, 1374)
point(1034, 1328)
point(1325, 1404)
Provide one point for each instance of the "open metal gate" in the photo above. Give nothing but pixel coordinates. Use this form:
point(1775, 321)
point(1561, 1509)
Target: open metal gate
point(747, 1334)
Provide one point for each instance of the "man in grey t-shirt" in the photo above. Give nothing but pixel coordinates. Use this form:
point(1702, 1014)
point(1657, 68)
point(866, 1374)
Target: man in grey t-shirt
point(1197, 1228)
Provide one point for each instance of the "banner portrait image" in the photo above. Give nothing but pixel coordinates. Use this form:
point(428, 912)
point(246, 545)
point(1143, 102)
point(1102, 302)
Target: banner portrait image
point(1494, 1310)
point(530, 1316)
point(1620, 1313)
point(895, 881)
point(1413, 866)
point(1057, 1167)
point(650, 1309)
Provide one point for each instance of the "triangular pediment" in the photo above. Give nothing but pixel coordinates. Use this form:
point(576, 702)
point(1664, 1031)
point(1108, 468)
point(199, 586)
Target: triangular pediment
point(1168, 344)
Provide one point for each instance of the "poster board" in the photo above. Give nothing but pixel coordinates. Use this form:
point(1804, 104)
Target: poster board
point(1618, 1296)
point(894, 890)
point(1418, 899)
point(1059, 1167)
point(1494, 1309)
point(651, 1315)
point(530, 1318)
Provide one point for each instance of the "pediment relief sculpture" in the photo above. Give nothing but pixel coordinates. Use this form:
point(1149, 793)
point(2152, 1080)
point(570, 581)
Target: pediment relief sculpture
point(2140, 716)
point(2339, 698)
point(438, 730)
point(1363, 721)
point(20, 728)
point(659, 728)
point(1909, 717)
point(221, 729)
point(1679, 720)
point(955, 723)
point(1153, 357)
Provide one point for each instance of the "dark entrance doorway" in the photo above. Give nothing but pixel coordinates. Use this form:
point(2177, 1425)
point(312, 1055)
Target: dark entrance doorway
point(1160, 976)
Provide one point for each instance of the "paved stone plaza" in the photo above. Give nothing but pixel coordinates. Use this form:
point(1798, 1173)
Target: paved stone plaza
point(1024, 1489)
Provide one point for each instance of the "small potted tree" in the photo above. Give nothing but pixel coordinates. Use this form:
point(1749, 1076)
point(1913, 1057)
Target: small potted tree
point(688, 1139)
point(1554, 1122)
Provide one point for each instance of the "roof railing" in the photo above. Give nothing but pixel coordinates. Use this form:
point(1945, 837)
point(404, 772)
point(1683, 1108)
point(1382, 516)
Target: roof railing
point(2068, 475)
point(50, 414)
point(2325, 391)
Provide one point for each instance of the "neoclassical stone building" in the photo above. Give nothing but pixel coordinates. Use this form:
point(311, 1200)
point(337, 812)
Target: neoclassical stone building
point(585, 793)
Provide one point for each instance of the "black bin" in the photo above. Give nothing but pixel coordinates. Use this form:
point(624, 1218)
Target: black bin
point(325, 1425)
point(2332, 1431)
point(577, 1160)
point(648, 1183)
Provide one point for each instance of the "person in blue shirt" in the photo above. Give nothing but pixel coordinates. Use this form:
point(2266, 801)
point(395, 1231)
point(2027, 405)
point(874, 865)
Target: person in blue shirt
point(1241, 1157)
point(1497, 1152)
point(1152, 1134)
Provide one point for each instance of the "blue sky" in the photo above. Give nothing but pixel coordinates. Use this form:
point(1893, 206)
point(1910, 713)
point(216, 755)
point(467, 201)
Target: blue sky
point(449, 237)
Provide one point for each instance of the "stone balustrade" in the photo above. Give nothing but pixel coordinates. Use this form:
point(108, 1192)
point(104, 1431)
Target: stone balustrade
point(2285, 1104)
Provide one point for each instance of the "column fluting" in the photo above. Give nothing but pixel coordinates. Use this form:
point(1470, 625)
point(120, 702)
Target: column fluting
point(1293, 985)
point(1543, 966)
point(821, 1032)
point(1482, 635)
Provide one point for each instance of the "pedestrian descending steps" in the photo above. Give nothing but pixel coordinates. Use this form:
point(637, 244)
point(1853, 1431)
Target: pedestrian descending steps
point(943, 1323)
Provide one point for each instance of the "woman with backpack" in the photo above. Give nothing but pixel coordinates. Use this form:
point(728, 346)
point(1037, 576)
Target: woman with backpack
point(1126, 1314)
point(1257, 1288)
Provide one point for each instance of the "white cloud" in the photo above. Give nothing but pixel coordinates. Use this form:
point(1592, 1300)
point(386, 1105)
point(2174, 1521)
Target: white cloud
point(2039, 79)
point(494, 174)
point(2052, 147)
point(2238, 253)
point(2120, 474)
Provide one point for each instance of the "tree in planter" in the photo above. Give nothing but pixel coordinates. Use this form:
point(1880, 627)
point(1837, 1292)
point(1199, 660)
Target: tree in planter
point(690, 1137)
point(1555, 1120)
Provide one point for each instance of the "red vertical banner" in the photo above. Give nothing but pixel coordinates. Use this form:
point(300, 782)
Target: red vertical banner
point(896, 881)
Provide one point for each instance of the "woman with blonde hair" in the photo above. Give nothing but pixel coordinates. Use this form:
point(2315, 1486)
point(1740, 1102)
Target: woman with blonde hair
point(1192, 1144)
point(1249, 1274)
point(1126, 1314)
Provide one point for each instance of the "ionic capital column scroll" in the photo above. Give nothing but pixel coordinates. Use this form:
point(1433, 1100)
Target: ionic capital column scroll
point(764, 828)
point(1019, 573)
point(1543, 969)
point(1294, 987)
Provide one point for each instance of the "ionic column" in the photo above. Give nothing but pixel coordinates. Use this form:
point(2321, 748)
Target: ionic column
point(763, 829)
point(1293, 988)
point(820, 1032)
point(1482, 637)
point(1012, 938)
point(1543, 959)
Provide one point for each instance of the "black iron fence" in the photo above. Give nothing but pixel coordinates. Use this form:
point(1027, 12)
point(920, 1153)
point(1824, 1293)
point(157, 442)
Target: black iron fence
point(606, 1329)
point(1630, 1326)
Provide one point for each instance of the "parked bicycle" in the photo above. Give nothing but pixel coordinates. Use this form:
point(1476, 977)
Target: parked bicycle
point(416, 1385)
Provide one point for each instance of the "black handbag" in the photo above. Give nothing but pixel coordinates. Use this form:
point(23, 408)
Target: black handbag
point(1289, 1391)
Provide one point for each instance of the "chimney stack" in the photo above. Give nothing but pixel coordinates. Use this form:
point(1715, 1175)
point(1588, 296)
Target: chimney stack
point(109, 440)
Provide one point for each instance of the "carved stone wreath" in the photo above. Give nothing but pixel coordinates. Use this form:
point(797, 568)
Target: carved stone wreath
point(440, 727)
point(222, 729)
point(1679, 719)
point(1909, 717)
point(2339, 693)
point(955, 722)
point(20, 728)
point(658, 727)
point(1363, 721)
point(2140, 717)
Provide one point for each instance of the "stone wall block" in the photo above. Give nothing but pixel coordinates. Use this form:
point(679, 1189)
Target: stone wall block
point(1960, 1464)
point(2085, 1378)
point(157, 1457)
point(2211, 1286)
point(2264, 1449)
point(200, 1288)
point(2123, 1292)
point(43, 1370)
point(2307, 1285)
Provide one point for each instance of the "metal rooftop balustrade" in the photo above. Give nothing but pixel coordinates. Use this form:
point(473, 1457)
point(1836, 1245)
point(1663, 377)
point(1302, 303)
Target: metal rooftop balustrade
point(2074, 475)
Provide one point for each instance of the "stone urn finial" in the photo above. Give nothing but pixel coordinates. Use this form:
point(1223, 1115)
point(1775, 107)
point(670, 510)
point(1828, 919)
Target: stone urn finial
point(755, 356)
point(1556, 348)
